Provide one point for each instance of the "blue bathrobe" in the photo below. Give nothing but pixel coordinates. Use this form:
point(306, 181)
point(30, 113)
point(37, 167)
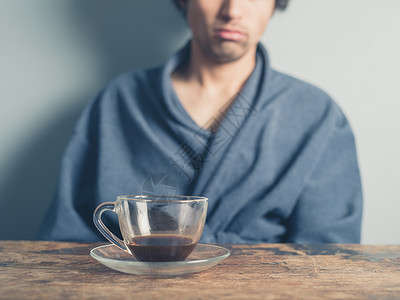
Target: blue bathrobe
point(280, 166)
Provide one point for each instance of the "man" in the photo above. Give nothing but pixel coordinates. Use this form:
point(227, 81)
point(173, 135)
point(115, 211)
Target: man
point(274, 155)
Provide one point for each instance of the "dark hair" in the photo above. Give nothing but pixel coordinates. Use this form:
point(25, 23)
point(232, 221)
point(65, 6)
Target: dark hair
point(279, 4)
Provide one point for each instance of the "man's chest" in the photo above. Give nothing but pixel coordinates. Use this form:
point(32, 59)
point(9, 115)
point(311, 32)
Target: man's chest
point(206, 109)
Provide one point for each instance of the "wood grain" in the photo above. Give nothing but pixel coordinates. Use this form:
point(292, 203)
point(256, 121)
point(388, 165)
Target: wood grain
point(41, 270)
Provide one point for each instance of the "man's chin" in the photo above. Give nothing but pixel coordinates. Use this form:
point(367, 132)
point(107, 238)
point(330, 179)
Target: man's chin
point(228, 53)
point(227, 57)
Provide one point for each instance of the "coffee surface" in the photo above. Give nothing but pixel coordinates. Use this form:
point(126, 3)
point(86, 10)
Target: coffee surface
point(159, 248)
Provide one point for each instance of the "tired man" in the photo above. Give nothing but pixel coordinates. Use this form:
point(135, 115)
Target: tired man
point(275, 156)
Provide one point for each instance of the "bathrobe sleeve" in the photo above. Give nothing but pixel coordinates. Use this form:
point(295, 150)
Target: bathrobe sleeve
point(329, 208)
point(68, 217)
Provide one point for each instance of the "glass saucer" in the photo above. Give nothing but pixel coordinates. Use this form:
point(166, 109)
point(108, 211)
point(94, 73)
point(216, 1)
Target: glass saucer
point(203, 257)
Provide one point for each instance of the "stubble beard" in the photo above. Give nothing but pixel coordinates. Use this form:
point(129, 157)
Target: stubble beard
point(223, 51)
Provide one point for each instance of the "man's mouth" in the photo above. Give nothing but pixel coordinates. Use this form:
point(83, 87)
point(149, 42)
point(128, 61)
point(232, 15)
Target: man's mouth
point(229, 34)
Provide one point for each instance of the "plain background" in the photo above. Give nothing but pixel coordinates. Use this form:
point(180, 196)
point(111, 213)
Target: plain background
point(55, 56)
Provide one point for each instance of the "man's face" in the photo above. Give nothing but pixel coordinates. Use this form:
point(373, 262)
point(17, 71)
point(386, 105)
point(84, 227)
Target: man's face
point(225, 30)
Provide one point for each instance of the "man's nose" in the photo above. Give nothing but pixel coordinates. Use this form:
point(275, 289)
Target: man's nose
point(231, 9)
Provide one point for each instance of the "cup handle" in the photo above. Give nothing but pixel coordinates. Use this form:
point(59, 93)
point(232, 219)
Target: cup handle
point(103, 228)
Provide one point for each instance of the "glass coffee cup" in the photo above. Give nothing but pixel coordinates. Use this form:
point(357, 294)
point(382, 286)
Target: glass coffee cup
point(155, 228)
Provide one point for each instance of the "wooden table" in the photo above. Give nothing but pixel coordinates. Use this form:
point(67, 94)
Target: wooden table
point(51, 270)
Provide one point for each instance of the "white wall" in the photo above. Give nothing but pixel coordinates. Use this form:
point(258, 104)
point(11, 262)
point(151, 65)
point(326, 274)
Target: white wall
point(56, 55)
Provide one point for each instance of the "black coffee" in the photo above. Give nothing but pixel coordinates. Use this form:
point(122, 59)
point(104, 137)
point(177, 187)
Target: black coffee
point(161, 247)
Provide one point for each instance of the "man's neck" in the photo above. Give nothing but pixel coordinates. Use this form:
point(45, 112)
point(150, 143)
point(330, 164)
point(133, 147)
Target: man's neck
point(206, 88)
point(213, 77)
